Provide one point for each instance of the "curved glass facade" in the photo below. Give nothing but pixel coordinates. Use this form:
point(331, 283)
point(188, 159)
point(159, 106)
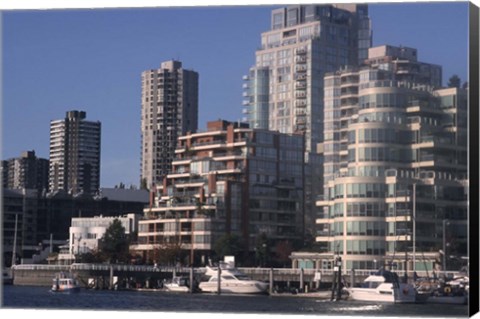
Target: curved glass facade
point(385, 137)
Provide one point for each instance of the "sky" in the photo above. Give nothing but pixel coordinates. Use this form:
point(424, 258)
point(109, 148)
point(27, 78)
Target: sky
point(54, 61)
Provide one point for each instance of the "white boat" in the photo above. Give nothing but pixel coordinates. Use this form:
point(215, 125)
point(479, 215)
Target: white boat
point(65, 283)
point(383, 286)
point(177, 284)
point(7, 277)
point(231, 281)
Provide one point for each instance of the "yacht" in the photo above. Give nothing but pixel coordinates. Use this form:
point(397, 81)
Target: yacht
point(383, 286)
point(231, 281)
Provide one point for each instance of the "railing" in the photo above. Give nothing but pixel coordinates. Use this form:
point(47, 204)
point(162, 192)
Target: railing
point(248, 271)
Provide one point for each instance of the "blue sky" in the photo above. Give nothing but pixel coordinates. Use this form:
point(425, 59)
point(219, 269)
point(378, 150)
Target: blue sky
point(91, 60)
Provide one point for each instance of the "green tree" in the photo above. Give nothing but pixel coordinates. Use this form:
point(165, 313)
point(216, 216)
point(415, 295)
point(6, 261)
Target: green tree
point(228, 245)
point(283, 250)
point(114, 244)
point(262, 249)
point(454, 81)
point(143, 184)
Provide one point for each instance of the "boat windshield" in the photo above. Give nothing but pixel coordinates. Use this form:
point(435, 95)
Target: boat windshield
point(242, 277)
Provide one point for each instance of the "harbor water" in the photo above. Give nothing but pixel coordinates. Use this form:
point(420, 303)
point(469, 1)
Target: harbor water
point(25, 297)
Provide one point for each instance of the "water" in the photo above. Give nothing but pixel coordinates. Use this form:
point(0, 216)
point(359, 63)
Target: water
point(22, 297)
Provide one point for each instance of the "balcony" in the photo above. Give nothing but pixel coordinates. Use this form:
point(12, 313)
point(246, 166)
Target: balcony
point(301, 59)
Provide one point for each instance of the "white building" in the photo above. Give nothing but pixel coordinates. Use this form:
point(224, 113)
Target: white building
point(85, 233)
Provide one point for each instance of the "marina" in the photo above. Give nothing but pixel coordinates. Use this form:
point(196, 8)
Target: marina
point(27, 297)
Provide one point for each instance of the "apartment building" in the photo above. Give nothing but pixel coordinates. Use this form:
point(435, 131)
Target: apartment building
point(284, 89)
point(26, 171)
point(75, 154)
point(169, 110)
point(395, 164)
point(230, 179)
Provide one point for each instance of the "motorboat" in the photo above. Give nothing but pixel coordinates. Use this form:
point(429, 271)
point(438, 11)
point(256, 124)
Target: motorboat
point(231, 281)
point(65, 283)
point(383, 286)
point(177, 284)
point(453, 291)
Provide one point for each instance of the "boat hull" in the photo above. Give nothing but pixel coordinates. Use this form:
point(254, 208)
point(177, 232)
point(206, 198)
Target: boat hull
point(404, 294)
point(234, 288)
point(67, 289)
point(451, 300)
point(177, 289)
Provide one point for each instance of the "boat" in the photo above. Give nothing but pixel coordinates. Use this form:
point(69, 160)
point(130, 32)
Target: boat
point(383, 286)
point(7, 277)
point(177, 284)
point(454, 292)
point(231, 281)
point(65, 283)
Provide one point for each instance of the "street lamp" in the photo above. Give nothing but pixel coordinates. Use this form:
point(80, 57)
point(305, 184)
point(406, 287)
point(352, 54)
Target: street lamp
point(445, 222)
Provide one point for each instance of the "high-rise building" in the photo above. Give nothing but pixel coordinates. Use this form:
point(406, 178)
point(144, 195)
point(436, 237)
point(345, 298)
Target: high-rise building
point(169, 110)
point(395, 164)
point(228, 180)
point(284, 89)
point(75, 154)
point(26, 171)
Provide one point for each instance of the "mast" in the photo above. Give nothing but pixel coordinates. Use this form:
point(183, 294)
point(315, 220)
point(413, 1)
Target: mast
point(414, 225)
point(14, 252)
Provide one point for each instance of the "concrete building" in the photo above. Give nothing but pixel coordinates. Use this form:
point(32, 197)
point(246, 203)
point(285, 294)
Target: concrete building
point(86, 232)
point(75, 154)
point(26, 171)
point(228, 180)
point(395, 164)
point(169, 110)
point(284, 89)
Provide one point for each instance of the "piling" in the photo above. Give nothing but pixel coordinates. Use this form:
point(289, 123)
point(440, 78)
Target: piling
point(352, 278)
point(191, 279)
point(271, 281)
point(111, 277)
point(218, 280)
point(301, 278)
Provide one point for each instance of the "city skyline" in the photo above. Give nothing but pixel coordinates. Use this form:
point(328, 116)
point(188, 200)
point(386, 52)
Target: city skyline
point(45, 76)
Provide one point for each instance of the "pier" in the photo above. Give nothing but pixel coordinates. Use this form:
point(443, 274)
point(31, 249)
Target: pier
point(112, 276)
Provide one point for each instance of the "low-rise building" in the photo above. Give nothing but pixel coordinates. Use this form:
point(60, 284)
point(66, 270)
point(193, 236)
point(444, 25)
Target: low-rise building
point(85, 233)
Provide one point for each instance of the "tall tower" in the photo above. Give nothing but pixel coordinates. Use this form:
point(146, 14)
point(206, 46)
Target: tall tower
point(169, 110)
point(304, 42)
point(284, 89)
point(75, 154)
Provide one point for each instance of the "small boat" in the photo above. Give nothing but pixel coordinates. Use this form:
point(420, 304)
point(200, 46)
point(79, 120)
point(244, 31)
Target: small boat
point(7, 277)
point(454, 292)
point(178, 284)
point(231, 281)
point(65, 283)
point(383, 286)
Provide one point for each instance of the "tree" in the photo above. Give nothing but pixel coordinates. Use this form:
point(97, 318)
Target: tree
point(168, 253)
point(262, 248)
point(228, 245)
point(465, 85)
point(283, 250)
point(143, 184)
point(454, 81)
point(114, 244)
